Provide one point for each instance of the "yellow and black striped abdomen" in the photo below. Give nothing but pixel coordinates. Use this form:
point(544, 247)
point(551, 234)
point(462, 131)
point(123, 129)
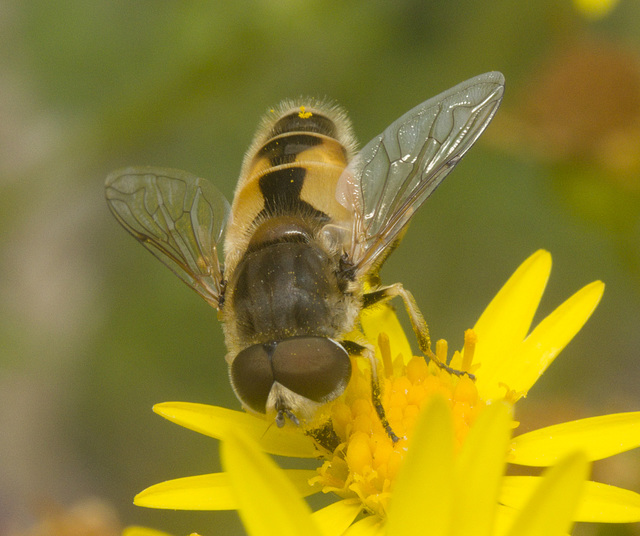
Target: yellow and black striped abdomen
point(292, 169)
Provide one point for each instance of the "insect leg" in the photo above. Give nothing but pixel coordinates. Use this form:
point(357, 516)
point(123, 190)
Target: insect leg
point(418, 323)
point(358, 350)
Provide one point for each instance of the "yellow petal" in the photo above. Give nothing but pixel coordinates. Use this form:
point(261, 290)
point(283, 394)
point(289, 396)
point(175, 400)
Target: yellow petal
point(598, 437)
point(550, 509)
point(382, 318)
point(334, 519)
point(202, 492)
point(506, 320)
point(369, 526)
point(549, 338)
point(214, 421)
point(479, 470)
point(269, 504)
point(142, 531)
point(207, 492)
point(505, 517)
point(609, 504)
point(426, 477)
point(599, 503)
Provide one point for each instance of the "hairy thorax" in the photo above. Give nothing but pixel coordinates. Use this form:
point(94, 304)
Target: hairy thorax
point(287, 285)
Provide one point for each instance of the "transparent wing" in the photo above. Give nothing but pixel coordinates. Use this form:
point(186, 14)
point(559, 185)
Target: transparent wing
point(178, 217)
point(395, 172)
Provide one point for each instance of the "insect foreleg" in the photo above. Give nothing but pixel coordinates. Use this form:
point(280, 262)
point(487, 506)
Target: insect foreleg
point(418, 323)
point(358, 350)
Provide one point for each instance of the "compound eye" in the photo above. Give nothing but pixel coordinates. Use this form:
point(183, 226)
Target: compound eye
point(314, 367)
point(252, 377)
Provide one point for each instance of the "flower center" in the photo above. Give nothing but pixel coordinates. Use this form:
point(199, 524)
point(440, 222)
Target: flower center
point(366, 461)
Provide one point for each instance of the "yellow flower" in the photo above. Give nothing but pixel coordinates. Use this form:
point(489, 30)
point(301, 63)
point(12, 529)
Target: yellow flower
point(453, 482)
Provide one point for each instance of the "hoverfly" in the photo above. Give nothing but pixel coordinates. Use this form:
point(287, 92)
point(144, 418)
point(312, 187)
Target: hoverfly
point(310, 225)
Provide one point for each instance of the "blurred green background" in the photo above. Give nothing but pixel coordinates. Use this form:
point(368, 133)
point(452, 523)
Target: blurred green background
point(94, 330)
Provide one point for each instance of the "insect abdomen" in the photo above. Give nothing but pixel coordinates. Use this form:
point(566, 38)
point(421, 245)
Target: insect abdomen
point(292, 168)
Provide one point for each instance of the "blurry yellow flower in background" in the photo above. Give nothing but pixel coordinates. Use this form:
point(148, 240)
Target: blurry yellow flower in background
point(453, 482)
point(87, 517)
point(595, 9)
point(142, 531)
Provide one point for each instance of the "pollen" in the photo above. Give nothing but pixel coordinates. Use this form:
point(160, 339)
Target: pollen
point(365, 463)
point(303, 114)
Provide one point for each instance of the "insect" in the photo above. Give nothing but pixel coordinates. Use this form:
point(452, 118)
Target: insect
point(310, 226)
